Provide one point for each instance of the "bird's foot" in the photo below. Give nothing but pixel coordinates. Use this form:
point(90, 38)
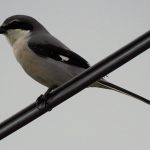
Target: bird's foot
point(41, 102)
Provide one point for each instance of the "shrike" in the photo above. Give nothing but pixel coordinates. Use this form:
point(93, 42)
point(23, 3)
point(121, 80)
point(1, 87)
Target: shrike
point(45, 58)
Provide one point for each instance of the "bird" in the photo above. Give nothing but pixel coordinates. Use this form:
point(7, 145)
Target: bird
point(45, 58)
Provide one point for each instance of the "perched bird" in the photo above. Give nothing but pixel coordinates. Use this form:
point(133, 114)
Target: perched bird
point(45, 58)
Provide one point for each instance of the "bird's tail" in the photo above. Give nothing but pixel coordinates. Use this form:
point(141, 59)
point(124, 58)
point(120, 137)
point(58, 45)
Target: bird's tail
point(105, 84)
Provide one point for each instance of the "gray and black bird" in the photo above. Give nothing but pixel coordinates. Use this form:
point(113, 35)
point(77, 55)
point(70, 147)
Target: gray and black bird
point(45, 58)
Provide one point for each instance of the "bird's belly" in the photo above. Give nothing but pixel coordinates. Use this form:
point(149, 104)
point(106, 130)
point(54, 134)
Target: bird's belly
point(46, 71)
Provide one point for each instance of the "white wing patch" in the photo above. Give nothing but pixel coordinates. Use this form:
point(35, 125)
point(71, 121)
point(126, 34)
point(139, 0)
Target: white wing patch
point(64, 58)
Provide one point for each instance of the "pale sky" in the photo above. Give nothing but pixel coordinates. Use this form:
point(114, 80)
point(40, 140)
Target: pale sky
point(95, 118)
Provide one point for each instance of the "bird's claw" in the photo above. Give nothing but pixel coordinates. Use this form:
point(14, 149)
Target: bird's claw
point(41, 102)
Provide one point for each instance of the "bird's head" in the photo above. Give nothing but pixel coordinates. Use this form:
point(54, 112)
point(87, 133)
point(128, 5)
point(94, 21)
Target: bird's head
point(18, 26)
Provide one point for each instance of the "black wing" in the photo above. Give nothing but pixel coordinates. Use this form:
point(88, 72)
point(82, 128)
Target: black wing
point(48, 46)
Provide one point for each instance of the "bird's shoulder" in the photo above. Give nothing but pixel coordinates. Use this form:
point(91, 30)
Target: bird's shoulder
point(48, 46)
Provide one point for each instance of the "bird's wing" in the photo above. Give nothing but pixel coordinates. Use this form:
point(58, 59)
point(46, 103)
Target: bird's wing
point(48, 46)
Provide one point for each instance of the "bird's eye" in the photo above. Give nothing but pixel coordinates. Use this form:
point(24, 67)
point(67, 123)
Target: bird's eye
point(13, 24)
point(16, 24)
point(14, 21)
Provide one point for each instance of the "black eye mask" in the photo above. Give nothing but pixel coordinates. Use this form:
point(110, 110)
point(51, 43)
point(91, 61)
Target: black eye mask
point(19, 25)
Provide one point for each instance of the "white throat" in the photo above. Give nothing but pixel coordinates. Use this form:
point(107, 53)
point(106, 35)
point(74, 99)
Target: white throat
point(17, 34)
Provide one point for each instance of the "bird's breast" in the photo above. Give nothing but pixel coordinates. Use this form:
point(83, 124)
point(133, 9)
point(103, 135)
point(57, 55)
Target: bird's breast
point(46, 71)
point(37, 67)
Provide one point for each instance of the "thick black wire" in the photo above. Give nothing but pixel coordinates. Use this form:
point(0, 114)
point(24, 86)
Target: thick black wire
point(76, 84)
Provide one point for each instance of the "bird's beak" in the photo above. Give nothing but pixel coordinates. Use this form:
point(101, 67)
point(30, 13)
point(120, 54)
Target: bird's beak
point(2, 30)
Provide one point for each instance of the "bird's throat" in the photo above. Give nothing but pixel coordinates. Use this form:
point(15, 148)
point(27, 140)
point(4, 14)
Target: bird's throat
point(14, 35)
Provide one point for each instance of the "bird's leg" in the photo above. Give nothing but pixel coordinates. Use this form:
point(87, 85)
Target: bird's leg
point(41, 101)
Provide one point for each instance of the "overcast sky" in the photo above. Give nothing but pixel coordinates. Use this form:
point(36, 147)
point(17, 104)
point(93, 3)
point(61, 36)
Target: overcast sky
point(95, 118)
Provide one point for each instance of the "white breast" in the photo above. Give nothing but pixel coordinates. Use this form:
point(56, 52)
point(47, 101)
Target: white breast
point(46, 71)
point(35, 66)
point(27, 59)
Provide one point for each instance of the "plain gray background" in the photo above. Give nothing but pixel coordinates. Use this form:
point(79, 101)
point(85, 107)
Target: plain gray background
point(95, 118)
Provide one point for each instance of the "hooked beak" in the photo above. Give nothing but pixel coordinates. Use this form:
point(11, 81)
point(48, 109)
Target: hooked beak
point(2, 30)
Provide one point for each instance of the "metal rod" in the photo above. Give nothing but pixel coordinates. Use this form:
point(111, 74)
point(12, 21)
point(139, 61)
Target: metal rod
point(76, 84)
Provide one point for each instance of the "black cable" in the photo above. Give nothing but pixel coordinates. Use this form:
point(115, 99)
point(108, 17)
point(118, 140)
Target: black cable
point(76, 84)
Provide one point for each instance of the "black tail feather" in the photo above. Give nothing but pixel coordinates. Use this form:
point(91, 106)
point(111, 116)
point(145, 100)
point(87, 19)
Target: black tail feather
point(122, 90)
